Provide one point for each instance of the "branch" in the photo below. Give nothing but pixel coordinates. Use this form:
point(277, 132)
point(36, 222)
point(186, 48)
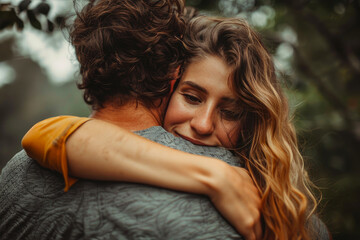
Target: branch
point(336, 44)
point(343, 52)
point(319, 83)
point(325, 91)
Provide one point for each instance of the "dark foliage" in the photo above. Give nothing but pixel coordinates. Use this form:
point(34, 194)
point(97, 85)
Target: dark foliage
point(10, 16)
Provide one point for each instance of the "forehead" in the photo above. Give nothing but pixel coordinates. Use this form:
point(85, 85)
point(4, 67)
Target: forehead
point(209, 73)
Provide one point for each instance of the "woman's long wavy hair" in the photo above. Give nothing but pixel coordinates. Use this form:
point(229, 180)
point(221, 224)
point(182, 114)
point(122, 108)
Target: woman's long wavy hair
point(267, 144)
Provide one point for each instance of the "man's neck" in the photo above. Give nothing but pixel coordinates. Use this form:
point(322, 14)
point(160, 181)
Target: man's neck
point(131, 116)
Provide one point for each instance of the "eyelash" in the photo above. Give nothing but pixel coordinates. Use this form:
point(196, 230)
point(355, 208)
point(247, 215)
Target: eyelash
point(226, 114)
point(229, 115)
point(191, 99)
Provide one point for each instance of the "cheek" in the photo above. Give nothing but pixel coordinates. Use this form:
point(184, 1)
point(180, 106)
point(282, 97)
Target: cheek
point(177, 113)
point(229, 135)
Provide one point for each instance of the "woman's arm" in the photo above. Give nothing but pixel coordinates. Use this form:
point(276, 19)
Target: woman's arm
point(123, 156)
point(103, 151)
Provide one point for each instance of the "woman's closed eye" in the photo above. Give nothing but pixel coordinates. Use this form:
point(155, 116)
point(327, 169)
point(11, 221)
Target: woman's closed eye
point(230, 115)
point(191, 98)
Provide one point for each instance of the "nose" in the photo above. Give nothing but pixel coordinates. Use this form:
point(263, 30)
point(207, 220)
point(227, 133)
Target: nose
point(203, 122)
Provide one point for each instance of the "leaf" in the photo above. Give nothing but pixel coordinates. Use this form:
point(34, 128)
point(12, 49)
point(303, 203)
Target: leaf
point(50, 26)
point(33, 21)
point(23, 5)
point(42, 8)
point(6, 19)
point(9, 18)
point(19, 24)
point(60, 21)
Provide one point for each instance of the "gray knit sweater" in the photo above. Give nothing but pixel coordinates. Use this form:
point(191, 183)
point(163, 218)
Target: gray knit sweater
point(33, 204)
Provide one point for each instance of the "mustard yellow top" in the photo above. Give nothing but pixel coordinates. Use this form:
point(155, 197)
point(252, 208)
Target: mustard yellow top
point(45, 142)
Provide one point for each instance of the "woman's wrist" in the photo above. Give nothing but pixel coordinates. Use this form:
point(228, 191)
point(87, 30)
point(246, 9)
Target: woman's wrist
point(214, 177)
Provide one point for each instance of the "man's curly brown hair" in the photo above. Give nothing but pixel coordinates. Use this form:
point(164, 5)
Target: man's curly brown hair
point(128, 49)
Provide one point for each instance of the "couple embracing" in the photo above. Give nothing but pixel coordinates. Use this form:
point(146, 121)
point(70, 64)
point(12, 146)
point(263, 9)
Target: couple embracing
point(189, 137)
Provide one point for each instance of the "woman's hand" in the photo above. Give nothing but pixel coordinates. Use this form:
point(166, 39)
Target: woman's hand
point(238, 200)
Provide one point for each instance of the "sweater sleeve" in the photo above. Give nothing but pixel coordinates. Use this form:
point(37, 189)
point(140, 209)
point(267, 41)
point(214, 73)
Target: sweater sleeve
point(45, 142)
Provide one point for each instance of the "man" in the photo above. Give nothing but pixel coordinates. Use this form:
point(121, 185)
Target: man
point(128, 52)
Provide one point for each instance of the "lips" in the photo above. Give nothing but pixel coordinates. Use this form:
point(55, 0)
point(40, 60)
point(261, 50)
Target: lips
point(196, 142)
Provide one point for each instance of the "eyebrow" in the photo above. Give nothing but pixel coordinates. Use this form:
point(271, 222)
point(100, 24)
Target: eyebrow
point(194, 85)
point(201, 89)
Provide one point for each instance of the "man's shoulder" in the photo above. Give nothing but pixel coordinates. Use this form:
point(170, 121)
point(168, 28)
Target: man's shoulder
point(16, 166)
point(319, 230)
point(19, 157)
point(23, 174)
point(160, 135)
point(27, 198)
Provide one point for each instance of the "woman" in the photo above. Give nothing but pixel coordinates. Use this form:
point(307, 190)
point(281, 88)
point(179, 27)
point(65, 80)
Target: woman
point(228, 96)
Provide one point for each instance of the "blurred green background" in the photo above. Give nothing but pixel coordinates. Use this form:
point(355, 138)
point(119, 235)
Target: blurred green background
point(316, 48)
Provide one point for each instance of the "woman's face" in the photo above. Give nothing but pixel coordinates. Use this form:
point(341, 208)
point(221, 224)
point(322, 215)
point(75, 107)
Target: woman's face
point(202, 109)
